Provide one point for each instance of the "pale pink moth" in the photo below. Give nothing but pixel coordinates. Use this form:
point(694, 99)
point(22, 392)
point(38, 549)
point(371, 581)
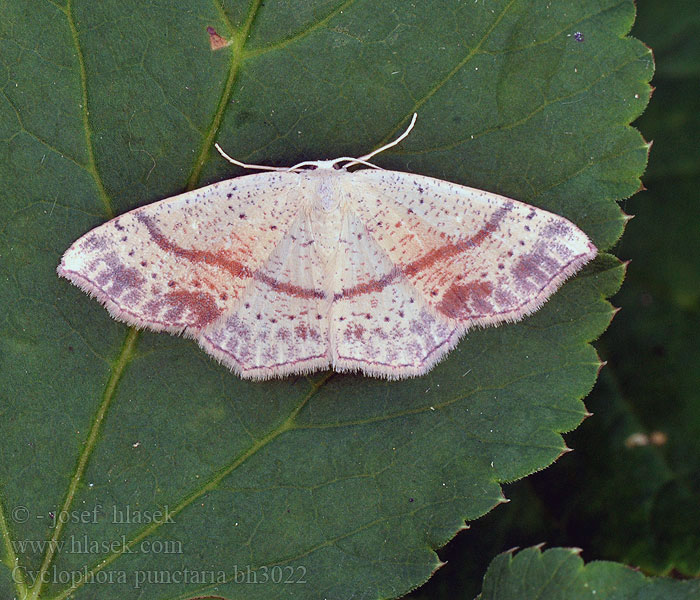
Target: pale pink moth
point(317, 266)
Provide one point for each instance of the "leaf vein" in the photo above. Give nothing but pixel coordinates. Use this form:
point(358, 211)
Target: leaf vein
point(302, 34)
point(237, 59)
point(92, 165)
point(197, 493)
point(123, 359)
point(456, 69)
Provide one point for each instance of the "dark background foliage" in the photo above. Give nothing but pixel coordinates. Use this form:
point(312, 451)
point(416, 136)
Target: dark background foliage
point(637, 504)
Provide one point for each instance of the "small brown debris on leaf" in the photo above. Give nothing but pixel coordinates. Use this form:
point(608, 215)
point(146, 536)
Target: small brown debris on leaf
point(216, 41)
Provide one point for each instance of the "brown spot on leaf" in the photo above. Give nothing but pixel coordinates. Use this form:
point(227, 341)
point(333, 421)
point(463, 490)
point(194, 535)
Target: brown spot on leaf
point(216, 42)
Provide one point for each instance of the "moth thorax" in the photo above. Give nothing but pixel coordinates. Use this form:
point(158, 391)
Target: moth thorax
point(328, 194)
point(325, 214)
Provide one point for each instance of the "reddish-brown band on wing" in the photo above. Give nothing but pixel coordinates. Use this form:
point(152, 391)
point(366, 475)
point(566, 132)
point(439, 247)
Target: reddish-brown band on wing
point(225, 261)
point(378, 321)
point(219, 258)
point(178, 264)
point(280, 324)
point(475, 257)
point(442, 252)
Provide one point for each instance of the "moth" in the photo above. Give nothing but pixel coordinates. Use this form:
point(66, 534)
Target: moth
point(317, 266)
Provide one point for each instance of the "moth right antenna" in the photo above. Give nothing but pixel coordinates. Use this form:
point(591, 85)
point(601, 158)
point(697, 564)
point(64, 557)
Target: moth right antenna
point(398, 140)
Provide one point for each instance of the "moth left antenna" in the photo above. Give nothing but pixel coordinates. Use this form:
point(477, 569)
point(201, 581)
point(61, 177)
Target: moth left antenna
point(247, 165)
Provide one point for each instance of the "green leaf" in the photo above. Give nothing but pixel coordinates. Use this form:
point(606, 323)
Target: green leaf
point(343, 482)
point(559, 573)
